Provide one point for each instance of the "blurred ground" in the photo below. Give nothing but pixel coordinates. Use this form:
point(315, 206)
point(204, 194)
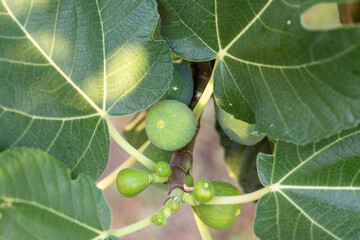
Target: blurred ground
point(208, 164)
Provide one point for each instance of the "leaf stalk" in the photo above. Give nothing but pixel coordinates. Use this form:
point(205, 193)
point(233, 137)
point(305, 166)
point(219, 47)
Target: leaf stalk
point(203, 229)
point(109, 179)
point(128, 147)
point(238, 199)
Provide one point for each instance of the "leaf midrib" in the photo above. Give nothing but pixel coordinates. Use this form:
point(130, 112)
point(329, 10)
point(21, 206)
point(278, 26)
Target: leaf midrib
point(104, 55)
point(310, 157)
point(5, 109)
point(52, 63)
point(52, 211)
point(308, 217)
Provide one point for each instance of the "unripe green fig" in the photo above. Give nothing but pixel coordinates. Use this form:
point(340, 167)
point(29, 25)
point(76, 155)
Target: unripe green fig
point(182, 86)
point(204, 191)
point(131, 182)
point(162, 169)
point(173, 205)
point(157, 155)
point(237, 130)
point(170, 125)
point(159, 219)
point(220, 216)
point(189, 180)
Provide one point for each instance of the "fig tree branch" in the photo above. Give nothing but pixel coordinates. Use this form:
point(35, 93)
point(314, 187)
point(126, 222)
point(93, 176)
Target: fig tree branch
point(349, 13)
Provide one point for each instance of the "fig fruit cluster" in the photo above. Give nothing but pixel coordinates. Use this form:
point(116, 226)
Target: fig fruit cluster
point(219, 216)
point(130, 182)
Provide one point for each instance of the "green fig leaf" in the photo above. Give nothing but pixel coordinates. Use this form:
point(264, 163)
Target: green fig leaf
point(315, 190)
point(298, 85)
point(65, 65)
point(39, 200)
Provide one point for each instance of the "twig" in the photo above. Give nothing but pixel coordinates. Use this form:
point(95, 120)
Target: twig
point(349, 13)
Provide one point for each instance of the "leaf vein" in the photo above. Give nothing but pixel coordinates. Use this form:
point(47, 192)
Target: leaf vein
point(315, 154)
point(308, 217)
point(52, 211)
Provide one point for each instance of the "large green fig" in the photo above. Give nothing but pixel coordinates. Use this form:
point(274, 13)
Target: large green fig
point(220, 216)
point(170, 125)
point(131, 182)
point(182, 86)
point(239, 131)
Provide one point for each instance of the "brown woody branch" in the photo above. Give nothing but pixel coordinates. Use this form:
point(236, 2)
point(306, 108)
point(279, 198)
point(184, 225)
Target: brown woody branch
point(349, 13)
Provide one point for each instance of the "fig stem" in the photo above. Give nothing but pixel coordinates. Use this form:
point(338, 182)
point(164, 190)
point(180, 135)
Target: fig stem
point(158, 179)
point(110, 178)
point(203, 229)
point(230, 200)
point(176, 195)
point(205, 97)
point(199, 108)
point(187, 189)
point(128, 147)
point(132, 227)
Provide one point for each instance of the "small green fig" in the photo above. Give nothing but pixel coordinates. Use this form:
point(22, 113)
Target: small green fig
point(204, 191)
point(239, 131)
point(159, 219)
point(170, 125)
point(189, 180)
point(131, 182)
point(157, 155)
point(173, 205)
point(220, 216)
point(162, 169)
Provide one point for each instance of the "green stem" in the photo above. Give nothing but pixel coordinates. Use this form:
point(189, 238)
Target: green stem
point(158, 179)
point(229, 200)
point(203, 229)
point(146, 221)
point(109, 179)
point(199, 108)
point(128, 148)
point(133, 227)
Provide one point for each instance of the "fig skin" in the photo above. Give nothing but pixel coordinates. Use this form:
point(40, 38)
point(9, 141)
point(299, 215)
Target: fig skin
point(204, 191)
point(220, 217)
point(170, 125)
point(237, 130)
point(159, 219)
point(130, 182)
point(162, 169)
point(182, 85)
